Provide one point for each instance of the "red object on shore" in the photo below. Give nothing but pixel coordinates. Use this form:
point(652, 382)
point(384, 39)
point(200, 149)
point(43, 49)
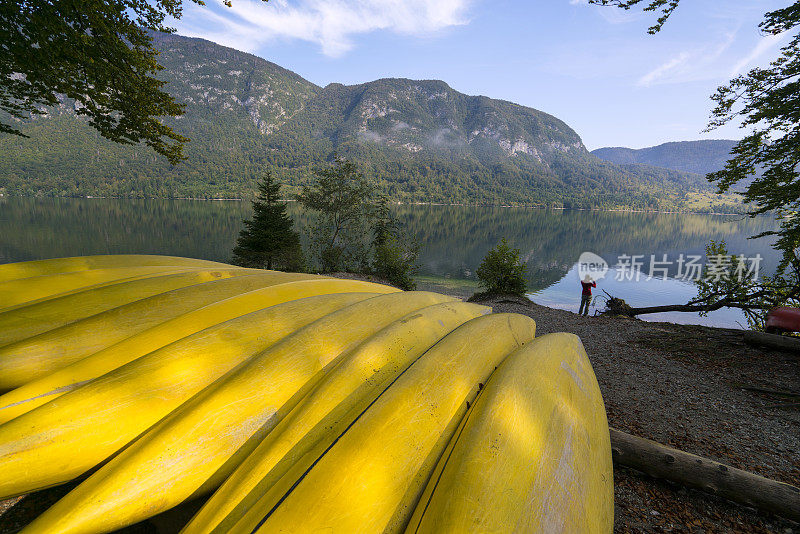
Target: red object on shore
point(783, 319)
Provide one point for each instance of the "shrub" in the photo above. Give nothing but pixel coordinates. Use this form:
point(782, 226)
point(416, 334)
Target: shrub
point(501, 272)
point(396, 263)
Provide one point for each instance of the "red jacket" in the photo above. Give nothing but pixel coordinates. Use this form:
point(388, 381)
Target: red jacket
point(587, 287)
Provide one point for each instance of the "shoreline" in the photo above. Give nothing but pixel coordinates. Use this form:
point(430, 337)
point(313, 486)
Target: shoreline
point(401, 203)
point(464, 289)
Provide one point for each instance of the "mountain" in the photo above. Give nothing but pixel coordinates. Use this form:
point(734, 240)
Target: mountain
point(701, 157)
point(419, 139)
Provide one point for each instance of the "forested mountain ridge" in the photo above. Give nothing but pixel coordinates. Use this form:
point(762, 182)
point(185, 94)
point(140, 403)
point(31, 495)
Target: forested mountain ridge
point(701, 157)
point(420, 140)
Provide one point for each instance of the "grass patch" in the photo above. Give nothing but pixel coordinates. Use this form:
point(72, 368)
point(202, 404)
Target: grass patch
point(452, 286)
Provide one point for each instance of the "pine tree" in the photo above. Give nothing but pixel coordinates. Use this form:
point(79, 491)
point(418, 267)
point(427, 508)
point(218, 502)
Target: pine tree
point(269, 241)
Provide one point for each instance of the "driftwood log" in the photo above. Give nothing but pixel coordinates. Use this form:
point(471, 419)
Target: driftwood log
point(617, 306)
point(694, 471)
point(774, 341)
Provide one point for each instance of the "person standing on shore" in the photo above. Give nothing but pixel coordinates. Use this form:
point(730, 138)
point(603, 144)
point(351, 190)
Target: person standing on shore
point(586, 296)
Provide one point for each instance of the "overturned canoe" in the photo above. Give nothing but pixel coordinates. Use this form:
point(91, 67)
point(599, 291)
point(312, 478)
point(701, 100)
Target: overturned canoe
point(532, 455)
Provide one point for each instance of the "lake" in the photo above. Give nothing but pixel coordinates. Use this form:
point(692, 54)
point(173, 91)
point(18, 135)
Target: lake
point(453, 240)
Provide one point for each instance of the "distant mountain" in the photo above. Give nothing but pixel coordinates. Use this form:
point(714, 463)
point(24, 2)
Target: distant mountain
point(701, 157)
point(420, 140)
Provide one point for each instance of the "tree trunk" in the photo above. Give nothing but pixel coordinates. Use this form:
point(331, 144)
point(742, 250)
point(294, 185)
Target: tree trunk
point(774, 341)
point(618, 306)
point(677, 307)
point(707, 475)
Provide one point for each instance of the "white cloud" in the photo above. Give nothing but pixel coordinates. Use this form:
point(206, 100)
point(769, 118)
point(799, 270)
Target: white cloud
point(662, 70)
point(331, 24)
point(701, 63)
point(766, 44)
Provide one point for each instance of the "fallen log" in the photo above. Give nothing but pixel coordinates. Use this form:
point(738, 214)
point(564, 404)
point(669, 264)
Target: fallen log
point(694, 471)
point(774, 341)
point(617, 306)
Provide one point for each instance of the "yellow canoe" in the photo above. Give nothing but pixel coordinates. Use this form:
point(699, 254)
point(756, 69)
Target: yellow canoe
point(25, 291)
point(26, 269)
point(532, 455)
point(37, 317)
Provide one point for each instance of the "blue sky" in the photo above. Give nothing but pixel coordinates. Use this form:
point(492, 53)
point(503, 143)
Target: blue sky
point(596, 68)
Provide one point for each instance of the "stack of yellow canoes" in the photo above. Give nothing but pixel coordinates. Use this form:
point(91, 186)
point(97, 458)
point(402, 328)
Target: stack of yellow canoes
point(298, 403)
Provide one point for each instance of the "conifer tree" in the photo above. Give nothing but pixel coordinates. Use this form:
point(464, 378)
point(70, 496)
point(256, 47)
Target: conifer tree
point(269, 241)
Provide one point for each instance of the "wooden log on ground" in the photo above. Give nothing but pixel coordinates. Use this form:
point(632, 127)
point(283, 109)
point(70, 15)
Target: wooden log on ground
point(694, 471)
point(774, 341)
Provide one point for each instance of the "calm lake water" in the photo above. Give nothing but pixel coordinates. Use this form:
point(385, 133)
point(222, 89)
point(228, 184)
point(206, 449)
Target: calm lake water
point(453, 240)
